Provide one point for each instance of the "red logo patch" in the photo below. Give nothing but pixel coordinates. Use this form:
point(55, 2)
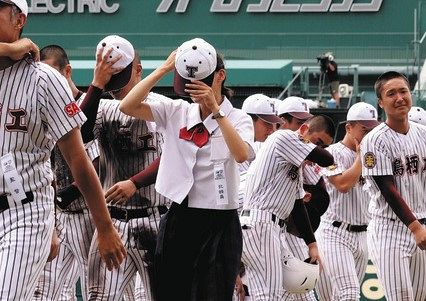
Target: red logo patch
point(72, 109)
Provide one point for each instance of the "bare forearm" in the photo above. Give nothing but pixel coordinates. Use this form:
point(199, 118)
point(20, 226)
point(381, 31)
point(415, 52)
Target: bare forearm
point(349, 178)
point(86, 179)
point(237, 146)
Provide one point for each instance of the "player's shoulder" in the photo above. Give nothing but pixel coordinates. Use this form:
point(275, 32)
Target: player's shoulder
point(378, 133)
point(47, 71)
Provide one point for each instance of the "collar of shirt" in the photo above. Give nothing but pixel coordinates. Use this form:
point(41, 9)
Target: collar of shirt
point(211, 125)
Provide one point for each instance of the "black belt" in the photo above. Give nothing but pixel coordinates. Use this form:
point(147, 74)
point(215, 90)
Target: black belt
point(422, 221)
point(281, 222)
point(351, 228)
point(4, 204)
point(125, 215)
point(78, 211)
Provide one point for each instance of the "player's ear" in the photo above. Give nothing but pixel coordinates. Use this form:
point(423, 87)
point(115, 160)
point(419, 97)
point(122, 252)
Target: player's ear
point(68, 71)
point(380, 102)
point(304, 128)
point(20, 21)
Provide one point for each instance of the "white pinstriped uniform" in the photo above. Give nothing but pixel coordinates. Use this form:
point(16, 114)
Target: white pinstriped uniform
point(401, 265)
point(126, 147)
point(311, 174)
point(37, 109)
point(344, 254)
point(272, 188)
point(243, 167)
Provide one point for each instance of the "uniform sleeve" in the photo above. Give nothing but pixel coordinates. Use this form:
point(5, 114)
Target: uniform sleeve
point(338, 167)
point(293, 148)
point(375, 157)
point(60, 112)
point(92, 149)
point(163, 107)
point(311, 174)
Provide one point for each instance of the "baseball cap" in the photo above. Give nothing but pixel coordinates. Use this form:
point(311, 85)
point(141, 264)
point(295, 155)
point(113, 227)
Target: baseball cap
point(296, 107)
point(417, 115)
point(21, 4)
point(363, 113)
point(121, 47)
point(262, 106)
point(195, 60)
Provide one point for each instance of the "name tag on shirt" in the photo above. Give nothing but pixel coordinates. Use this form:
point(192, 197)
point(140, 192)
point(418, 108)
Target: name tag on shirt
point(11, 177)
point(219, 154)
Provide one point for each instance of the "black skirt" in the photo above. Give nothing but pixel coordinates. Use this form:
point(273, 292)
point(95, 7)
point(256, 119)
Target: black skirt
point(198, 254)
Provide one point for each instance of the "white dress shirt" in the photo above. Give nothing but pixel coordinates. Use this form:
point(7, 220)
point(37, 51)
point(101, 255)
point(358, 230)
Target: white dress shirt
point(187, 170)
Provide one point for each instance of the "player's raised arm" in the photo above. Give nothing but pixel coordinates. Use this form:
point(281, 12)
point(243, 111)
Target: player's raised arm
point(133, 104)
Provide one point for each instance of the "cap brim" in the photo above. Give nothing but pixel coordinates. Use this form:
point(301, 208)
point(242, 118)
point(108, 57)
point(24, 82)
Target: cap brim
point(179, 83)
point(368, 123)
point(301, 115)
point(119, 80)
point(270, 118)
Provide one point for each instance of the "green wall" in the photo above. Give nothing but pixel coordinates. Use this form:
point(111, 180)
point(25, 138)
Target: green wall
point(378, 37)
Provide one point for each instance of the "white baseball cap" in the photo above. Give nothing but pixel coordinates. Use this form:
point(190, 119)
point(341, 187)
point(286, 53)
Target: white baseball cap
point(21, 4)
point(418, 115)
point(363, 113)
point(296, 107)
point(121, 47)
point(262, 106)
point(195, 60)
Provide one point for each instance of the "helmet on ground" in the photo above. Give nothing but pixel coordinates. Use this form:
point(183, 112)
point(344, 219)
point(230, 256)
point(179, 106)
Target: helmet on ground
point(299, 276)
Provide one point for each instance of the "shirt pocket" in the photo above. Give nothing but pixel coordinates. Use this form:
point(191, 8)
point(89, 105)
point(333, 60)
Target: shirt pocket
point(219, 150)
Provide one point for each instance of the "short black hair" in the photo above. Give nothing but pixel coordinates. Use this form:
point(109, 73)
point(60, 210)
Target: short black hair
point(254, 117)
point(57, 53)
point(384, 78)
point(320, 123)
point(287, 117)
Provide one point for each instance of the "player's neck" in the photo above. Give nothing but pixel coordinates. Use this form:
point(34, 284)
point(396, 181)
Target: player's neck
point(399, 125)
point(5, 62)
point(348, 142)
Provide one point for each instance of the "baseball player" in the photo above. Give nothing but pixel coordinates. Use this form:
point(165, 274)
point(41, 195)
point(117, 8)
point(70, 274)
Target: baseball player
point(342, 233)
point(73, 220)
point(262, 111)
point(294, 111)
point(394, 164)
point(126, 147)
point(271, 193)
point(26, 194)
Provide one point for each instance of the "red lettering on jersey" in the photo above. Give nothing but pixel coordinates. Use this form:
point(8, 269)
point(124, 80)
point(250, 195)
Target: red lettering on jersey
point(72, 109)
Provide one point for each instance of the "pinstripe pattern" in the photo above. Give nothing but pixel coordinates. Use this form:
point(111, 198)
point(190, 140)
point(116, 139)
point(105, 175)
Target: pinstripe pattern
point(126, 147)
point(24, 249)
point(400, 263)
point(262, 257)
point(274, 175)
point(75, 233)
point(389, 148)
point(106, 285)
point(42, 98)
point(42, 93)
point(350, 207)
point(344, 253)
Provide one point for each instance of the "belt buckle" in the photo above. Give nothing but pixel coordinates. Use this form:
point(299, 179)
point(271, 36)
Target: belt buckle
point(126, 215)
point(349, 228)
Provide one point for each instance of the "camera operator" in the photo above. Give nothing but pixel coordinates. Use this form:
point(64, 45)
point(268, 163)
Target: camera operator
point(329, 67)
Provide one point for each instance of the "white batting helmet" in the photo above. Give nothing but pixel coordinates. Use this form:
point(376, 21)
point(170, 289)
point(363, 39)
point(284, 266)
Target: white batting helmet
point(299, 276)
point(417, 115)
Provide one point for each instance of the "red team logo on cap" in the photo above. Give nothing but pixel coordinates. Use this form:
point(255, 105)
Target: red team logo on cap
point(72, 109)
